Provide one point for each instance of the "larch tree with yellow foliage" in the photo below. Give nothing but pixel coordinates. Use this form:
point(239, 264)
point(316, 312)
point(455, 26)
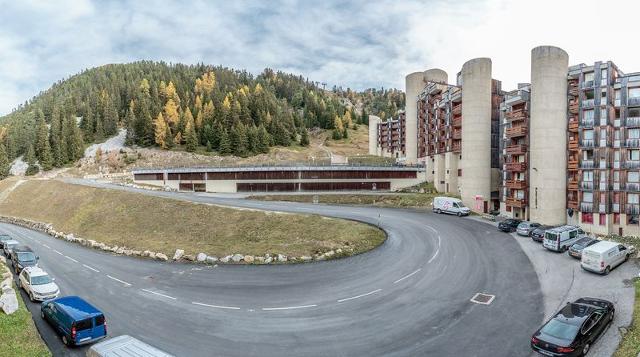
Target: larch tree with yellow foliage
point(160, 131)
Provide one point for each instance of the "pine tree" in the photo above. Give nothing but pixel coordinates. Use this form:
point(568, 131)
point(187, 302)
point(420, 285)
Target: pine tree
point(336, 134)
point(5, 164)
point(168, 138)
point(191, 138)
point(160, 131)
point(345, 133)
point(130, 119)
point(56, 140)
point(30, 158)
point(73, 137)
point(304, 138)
point(209, 148)
point(264, 140)
point(110, 118)
point(224, 146)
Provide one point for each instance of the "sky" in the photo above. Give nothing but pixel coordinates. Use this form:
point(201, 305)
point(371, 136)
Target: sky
point(357, 44)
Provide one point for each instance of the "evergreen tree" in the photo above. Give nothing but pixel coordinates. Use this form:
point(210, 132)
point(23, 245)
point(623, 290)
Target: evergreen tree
point(304, 138)
point(224, 146)
point(264, 140)
point(130, 119)
point(73, 137)
point(345, 133)
point(168, 138)
point(5, 164)
point(209, 147)
point(30, 158)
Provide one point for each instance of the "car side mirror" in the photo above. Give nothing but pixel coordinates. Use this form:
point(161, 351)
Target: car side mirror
point(37, 257)
point(53, 279)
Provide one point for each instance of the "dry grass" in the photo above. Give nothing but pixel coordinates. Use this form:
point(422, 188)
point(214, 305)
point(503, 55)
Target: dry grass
point(414, 200)
point(144, 222)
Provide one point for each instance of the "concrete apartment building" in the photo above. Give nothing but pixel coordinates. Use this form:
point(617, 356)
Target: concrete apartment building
point(564, 148)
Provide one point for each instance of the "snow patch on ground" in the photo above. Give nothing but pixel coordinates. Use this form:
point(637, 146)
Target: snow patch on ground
point(113, 143)
point(18, 167)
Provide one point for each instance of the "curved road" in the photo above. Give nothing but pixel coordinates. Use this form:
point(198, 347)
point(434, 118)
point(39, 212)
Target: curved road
point(409, 297)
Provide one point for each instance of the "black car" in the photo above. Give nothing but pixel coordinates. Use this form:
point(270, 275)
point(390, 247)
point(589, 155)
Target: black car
point(538, 233)
point(576, 249)
point(509, 225)
point(574, 329)
point(22, 257)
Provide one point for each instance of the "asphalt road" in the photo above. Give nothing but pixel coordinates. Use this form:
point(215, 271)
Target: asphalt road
point(409, 297)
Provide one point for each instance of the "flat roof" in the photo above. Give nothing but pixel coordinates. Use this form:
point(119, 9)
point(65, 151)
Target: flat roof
point(280, 168)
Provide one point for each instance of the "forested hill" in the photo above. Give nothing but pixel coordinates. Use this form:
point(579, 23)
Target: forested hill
point(196, 106)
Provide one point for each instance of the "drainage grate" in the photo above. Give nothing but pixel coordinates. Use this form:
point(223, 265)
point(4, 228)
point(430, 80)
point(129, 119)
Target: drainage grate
point(483, 299)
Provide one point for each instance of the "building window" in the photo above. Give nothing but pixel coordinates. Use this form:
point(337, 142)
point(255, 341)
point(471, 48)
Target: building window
point(633, 176)
point(633, 155)
point(587, 197)
point(603, 219)
point(588, 76)
point(634, 93)
point(616, 218)
point(588, 115)
point(587, 218)
point(459, 172)
point(633, 133)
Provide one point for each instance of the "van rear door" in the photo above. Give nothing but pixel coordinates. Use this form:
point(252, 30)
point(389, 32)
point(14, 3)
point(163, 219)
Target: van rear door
point(591, 259)
point(89, 329)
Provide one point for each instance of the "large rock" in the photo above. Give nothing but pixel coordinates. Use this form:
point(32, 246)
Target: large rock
point(268, 260)
point(282, 258)
point(259, 260)
point(162, 256)
point(6, 282)
point(189, 257)
point(237, 258)
point(248, 259)
point(225, 259)
point(9, 302)
point(306, 258)
point(152, 255)
point(211, 259)
point(201, 257)
point(178, 254)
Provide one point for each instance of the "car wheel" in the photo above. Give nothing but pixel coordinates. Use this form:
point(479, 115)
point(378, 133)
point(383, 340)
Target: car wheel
point(65, 340)
point(607, 270)
point(460, 215)
point(585, 349)
point(437, 210)
point(626, 257)
point(31, 297)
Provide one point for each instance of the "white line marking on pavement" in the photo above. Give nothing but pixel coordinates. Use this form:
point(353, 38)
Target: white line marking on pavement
point(163, 295)
point(90, 268)
point(433, 229)
point(58, 252)
point(407, 276)
point(216, 306)
point(118, 280)
point(46, 246)
point(287, 308)
point(436, 253)
point(68, 257)
point(359, 296)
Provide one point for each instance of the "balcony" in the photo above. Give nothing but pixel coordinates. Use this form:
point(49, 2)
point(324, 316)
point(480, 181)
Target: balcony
point(632, 208)
point(516, 184)
point(602, 208)
point(574, 107)
point(631, 164)
point(457, 134)
point(572, 164)
point(587, 84)
point(632, 122)
point(457, 146)
point(519, 114)
point(515, 202)
point(573, 91)
point(516, 149)
point(573, 143)
point(633, 101)
point(457, 122)
point(587, 143)
point(632, 186)
point(587, 123)
point(572, 203)
point(515, 166)
point(572, 184)
point(573, 126)
point(517, 131)
point(587, 164)
point(588, 103)
point(586, 185)
point(457, 109)
point(586, 207)
point(632, 143)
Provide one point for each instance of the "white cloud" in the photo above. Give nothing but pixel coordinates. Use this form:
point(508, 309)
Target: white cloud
point(358, 43)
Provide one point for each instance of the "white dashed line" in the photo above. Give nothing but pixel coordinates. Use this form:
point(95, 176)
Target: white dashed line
point(436, 253)
point(91, 268)
point(118, 280)
point(359, 296)
point(287, 308)
point(216, 306)
point(46, 246)
point(68, 257)
point(60, 253)
point(407, 276)
point(163, 295)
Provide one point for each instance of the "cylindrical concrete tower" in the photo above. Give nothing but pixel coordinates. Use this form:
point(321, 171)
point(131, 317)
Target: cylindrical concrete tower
point(414, 83)
point(373, 134)
point(548, 135)
point(475, 182)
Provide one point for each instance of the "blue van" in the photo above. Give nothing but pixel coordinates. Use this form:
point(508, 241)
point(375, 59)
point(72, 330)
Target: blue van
point(77, 321)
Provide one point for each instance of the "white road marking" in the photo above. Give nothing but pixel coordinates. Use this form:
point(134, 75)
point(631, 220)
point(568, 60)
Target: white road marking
point(216, 306)
point(287, 308)
point(478, 295)
point(118, 280)
point(68, 257)
point(46, 246)
point(163, 295)
point(58, 252)
point(359, 296)
point(407, 276)
point(437, 251)
point(91, 268)
point(433, 229)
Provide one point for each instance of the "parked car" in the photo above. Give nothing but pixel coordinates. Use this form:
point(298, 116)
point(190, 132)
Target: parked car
point(537, 234)
point(450, 205)
point(124, 346)
point(559, 239)
point(576, 249)
point(75, 320)
point(8, 245)
point(525, 228)
point(37, 284)
point(574, 329)
point(605, 255)
point(4, 237)
point(509, 225)
point(22, 257)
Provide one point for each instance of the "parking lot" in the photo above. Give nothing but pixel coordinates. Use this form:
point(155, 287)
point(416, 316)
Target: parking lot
point(563, 280)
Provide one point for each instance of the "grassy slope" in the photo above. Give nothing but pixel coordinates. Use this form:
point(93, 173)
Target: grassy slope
point(143, 222)
point(420, 200)
point(18, 334)
point(630, 345)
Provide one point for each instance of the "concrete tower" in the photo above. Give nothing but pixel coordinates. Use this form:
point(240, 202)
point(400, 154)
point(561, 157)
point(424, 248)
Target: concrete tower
point(475, 182)
point(548, 137)
point(440, 76)
point(414, 83)
point(373, 135)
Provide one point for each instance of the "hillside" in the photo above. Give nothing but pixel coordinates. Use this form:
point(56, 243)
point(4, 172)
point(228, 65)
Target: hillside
point(193, 108)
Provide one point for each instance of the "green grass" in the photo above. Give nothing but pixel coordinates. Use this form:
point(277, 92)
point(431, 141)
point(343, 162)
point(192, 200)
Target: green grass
point(18, 334)
point(413, 200)
point(142, 222)
point(630, 345)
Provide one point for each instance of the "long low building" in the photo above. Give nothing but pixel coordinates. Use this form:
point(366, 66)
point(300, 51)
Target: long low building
point(283, 179)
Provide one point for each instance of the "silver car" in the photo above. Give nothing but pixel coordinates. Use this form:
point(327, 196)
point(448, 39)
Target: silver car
point(7, 247)
point(525, 228)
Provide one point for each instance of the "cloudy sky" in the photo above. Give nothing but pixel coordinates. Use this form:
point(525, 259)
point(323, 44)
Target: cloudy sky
point(357, 44)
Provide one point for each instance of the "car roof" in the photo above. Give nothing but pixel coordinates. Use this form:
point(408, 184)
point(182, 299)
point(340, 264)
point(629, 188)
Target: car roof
point(575, 313)
point(22, 248)
point(76, 307)
point(602, 246)
point(12, 241)
point(563, 229)
point(35, 271)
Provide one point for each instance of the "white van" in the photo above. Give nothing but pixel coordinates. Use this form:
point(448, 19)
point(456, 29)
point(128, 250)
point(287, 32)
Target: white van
point(559, 239)
point(124, 346)
point(603, 256)
point(450, 205)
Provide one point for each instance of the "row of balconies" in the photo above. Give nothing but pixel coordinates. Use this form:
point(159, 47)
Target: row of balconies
point(516, 131)
point(519, 114)
point(516, 184)
point(603, 186)
point(515, 202)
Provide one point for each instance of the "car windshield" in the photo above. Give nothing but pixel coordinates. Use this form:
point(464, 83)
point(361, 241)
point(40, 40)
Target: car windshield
point(4, 237)
point(26, 256)
point(524, 225)
point(460, 204)
point(559, 329)
point(40, 280)
point(551, 236)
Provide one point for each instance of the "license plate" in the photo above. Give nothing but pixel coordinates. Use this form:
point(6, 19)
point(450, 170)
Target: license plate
point(546, 353)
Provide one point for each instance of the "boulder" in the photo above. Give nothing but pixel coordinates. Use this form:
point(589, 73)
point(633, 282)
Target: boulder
point(6, 282)
point(188, 257)
point(338, 251)
point(128, 252)
point(259, 260)
point(237, 258)
point(319, 257)
point(152, 255)
point(329, 254)
point(225, 259)
point(162, 256)
point(282, 258)
point(146, 253)
point(248, 259)
point(178, 254)
point(107, 248)
point(120, 251)
point(306, 258)
point(9, 302)
point(92, 243)
point(201, 257)
point(211, 259)
point(268, 260)
point(136, 253)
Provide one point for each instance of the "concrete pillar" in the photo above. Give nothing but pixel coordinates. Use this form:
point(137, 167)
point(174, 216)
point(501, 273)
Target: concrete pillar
point(451, 172)
point(414, 84)
point(438, 176)
point(429, 163)
point(373, 134)
point(475, 182)
point(548, 135)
